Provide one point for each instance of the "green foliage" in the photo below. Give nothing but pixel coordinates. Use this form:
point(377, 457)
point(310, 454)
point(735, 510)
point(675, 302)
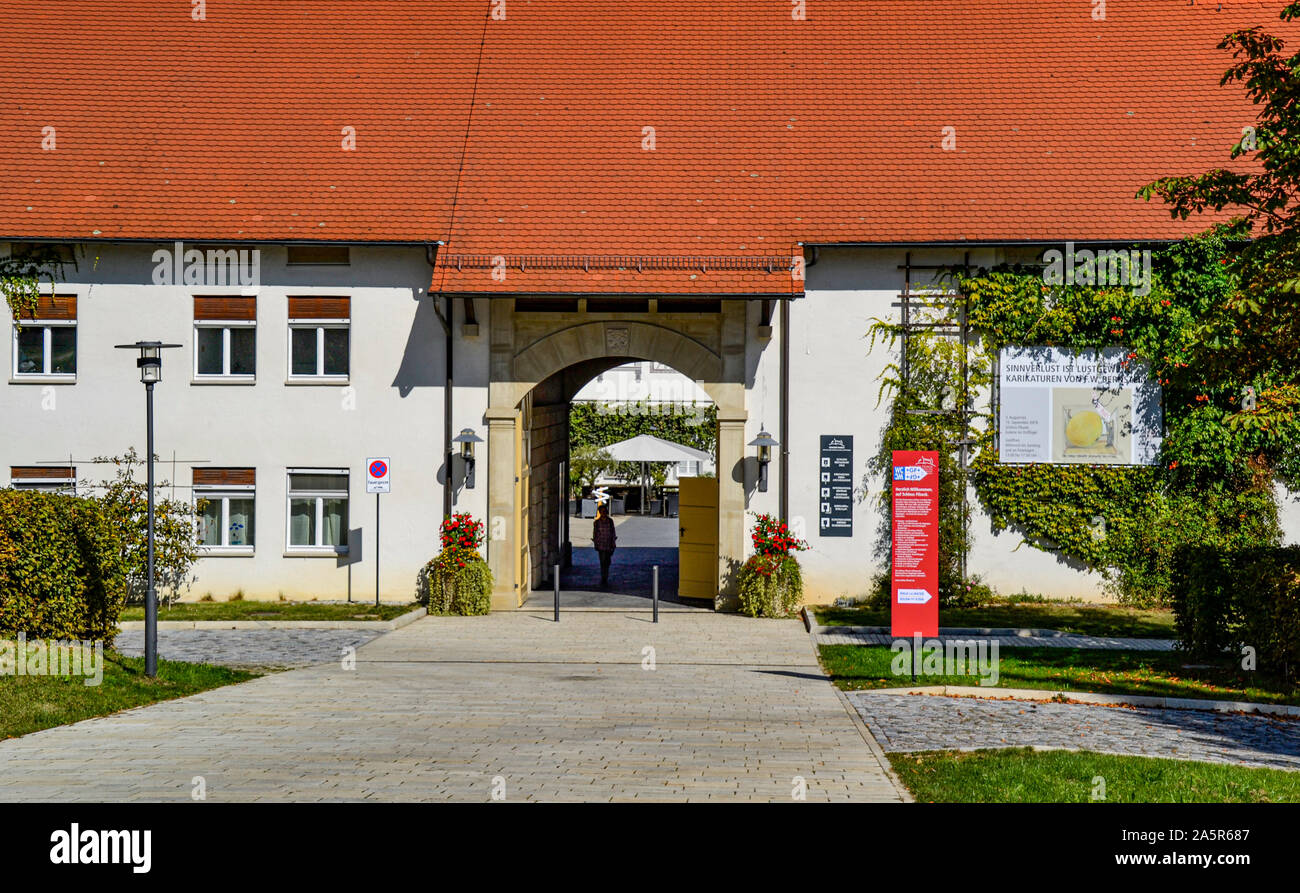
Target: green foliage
point(1250, 332)
point(770, 586)
point(176, 547)
point(62, 567)
point(931, 411)
point(20, 278)
point(770, 583)
point(587, 464)
point(1214, 486)
point(458, 580)
point(1248, 598)
point(600, 424)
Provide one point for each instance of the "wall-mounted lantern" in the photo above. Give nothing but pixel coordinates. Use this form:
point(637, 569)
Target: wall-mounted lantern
point(467, 438)
point(764, 442)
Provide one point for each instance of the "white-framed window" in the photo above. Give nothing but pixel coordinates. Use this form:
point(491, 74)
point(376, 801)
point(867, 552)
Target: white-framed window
point(226, 518)
point(319, 339)
point(688, 468)
point(225, 349)
point(45, 349)
point(317, 510)
point(45, 345)
point(46, 479)
point(319, 350)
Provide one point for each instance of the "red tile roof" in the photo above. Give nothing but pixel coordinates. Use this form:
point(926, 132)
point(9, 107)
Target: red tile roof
point(768, 131)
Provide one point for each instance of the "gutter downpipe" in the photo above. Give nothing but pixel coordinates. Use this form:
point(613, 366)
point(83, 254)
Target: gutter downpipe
point(431, 255)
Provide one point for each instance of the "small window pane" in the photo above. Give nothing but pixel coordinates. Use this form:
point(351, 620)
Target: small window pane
point(302, 522)
point(210, 350)
point(63, 350)
point(210, 523)
point(31, 350)
point(240, 528)
point(303, 345)
point(243, 351)
point(335, 520)
point(317, 482)
point(336, 351)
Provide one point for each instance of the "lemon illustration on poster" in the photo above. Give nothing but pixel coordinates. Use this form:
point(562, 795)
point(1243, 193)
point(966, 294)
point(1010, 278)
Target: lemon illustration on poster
point(1099, 407)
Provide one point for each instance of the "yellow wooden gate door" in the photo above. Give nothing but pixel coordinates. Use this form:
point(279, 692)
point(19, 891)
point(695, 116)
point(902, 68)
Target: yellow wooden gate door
point(697, 547)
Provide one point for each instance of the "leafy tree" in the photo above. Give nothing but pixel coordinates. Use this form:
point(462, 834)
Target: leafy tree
point(586, 465)
point(1249, 332)
point(176, 546)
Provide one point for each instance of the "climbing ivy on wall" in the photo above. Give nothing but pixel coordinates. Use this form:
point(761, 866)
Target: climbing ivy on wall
point(601, 424)
point(1214, 484)
point(20, 278)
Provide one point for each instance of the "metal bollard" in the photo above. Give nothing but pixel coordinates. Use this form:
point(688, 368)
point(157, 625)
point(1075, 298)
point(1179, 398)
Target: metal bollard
point(656, 593)
point(557, 593)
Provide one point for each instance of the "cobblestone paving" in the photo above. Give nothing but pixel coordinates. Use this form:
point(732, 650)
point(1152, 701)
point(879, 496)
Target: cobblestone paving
point(733, 709)
point(928, 722)
point(833, 635)
point(249, 648)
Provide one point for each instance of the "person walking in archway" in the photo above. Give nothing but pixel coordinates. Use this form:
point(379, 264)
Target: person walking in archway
point(604, 539)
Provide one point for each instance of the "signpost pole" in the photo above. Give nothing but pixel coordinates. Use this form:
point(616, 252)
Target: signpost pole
point(376, 550)
point(656, 593)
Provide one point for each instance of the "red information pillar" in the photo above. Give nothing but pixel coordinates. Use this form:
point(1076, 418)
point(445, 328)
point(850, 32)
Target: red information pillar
point(914, 554)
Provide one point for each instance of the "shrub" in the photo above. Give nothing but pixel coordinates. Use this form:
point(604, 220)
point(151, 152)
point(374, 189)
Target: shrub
point(62, 570)
point(770, 583)
point(1225, 601)
point(458, 580)
point(176, 546)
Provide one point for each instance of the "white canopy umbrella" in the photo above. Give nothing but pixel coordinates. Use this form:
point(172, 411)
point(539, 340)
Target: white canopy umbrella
point(646, 448)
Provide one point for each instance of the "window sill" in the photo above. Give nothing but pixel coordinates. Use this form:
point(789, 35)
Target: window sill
point(329, 552)
point(224, 379)
point(226, 552)
point(43, 379)
point(319, 381)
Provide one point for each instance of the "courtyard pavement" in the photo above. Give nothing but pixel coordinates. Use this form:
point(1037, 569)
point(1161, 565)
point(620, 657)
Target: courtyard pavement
point(929, 722)
point(461, 708)
point(248, 647)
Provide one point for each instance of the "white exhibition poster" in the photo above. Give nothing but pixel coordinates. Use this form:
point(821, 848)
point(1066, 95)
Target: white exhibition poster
point(1090, 407)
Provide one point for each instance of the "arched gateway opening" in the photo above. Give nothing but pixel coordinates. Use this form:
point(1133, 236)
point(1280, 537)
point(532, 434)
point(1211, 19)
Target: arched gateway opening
point(542, 353)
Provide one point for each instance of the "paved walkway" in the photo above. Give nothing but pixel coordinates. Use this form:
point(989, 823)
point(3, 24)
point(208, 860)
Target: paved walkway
point(736, 709)
point(861, 635)
point(249, 647)
point(929, 722)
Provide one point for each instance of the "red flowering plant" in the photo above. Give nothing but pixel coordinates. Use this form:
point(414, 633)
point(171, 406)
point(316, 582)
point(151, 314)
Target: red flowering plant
point(770, 583)
point(458, 580)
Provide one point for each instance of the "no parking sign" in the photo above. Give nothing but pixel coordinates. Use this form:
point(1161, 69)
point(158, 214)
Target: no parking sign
point(377, 476)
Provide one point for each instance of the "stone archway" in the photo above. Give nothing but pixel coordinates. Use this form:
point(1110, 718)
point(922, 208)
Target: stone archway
point(529, 348)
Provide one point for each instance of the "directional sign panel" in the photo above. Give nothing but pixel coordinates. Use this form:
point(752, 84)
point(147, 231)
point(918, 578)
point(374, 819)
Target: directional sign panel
point(377, 476)
point(835, 486)
point(914, 565)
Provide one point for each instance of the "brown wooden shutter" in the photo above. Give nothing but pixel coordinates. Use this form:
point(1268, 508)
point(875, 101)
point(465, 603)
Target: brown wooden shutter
point(62, 307)
point(320, 308)
point(41, 473)
point(225, 477)
point(225, 308)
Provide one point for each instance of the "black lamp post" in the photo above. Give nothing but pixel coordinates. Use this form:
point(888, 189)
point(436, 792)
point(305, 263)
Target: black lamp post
point(764, 442)
point(467, 438)
point(150, 364)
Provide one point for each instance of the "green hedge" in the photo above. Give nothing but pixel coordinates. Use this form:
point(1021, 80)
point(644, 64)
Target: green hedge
point(1225, 601)
point(62, 572)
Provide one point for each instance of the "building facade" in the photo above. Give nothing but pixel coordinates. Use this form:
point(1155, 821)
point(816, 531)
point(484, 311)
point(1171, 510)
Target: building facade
point(461, 225)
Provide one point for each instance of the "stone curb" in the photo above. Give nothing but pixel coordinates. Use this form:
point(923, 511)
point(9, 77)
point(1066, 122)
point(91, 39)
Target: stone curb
point(1087, 697)
point(380, 625)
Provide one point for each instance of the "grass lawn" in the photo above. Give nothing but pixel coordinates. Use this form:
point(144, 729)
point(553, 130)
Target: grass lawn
point(32, 703)
point(1086, 620)
point(1162, 673)
point(247, 610)
point(1022, 775)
